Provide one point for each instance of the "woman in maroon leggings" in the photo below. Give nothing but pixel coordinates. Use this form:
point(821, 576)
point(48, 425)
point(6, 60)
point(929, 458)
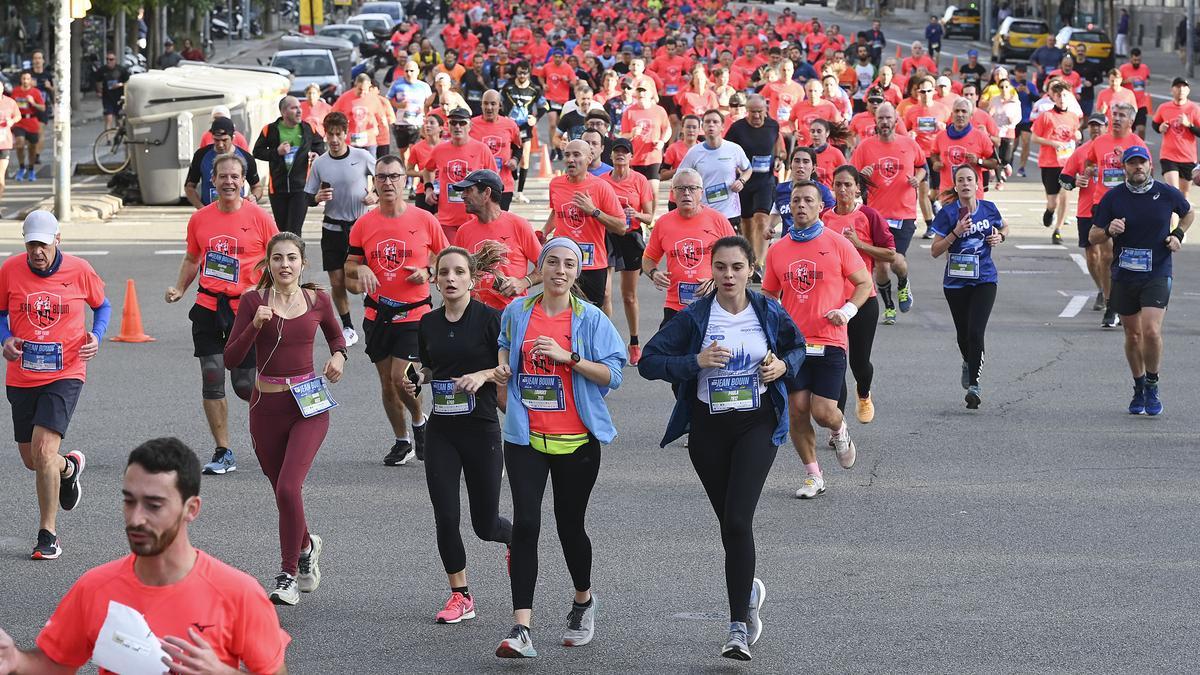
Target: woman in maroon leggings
point(289, 407)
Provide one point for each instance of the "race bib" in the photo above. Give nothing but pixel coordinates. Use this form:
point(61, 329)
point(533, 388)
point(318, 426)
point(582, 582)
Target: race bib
point(687, 292)
point(784, 113)
point(1113, 177)
point(447, 401)
point(1064, 153)
point(289, 158)
point(1136, 260)
point(716, 193)
point(963, 266)
point(895, 224)
point(518, 114)
point(1139, 85)
point(454, 196)
point(589, 254)
point(814, 350)
point(761, 163)
point(42, 357)
point(313, 397)
point(735, 392)
point(672, 89)
point(541, 392)
point(221, 267)
point(499, 164)
point(358, 139)
point(926, 125)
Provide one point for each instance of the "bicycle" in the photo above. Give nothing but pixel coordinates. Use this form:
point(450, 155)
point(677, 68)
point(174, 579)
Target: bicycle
point(110, 150)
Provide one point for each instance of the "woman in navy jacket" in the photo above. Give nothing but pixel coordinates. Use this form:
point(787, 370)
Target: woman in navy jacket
point(730, 353)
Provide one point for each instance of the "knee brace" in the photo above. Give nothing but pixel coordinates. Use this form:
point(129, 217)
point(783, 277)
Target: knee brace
point(212, 377)
point(243, 382)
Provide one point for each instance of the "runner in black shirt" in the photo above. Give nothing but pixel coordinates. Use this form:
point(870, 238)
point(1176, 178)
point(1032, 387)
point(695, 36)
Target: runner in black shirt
point(523, 101)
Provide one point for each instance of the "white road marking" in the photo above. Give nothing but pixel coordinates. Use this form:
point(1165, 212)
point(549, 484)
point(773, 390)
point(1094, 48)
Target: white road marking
point(1077, 302)
point(1081, 262)
point(1040, 247)
point(170, 251)
point(90, 252)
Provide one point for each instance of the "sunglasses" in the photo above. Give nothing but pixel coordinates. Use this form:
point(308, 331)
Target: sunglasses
point(458, 123)
point(925, 91)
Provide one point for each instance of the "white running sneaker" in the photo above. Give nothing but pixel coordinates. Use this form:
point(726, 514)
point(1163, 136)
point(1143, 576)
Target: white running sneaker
point(754, 626)
point(309, 577)
point(813, 485)
point(522, 198)
point(351, 336)
point(286, 591)
point(843, 447)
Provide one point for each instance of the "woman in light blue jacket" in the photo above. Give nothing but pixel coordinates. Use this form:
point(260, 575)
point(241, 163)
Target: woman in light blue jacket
point(561, 356)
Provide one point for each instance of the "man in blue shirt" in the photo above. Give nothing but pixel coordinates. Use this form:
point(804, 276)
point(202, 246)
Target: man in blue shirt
point(1136, 215)
point(933, 37)
point(198, 187)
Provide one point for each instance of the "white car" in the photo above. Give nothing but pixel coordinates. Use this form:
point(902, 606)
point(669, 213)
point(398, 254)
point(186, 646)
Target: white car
point(310, 66)
point(380, 24)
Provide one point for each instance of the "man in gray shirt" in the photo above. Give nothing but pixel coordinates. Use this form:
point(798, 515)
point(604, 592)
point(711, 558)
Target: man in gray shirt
point(341, 180)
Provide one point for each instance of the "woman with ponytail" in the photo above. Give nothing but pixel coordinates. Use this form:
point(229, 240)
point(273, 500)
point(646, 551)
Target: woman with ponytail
point(290, 402)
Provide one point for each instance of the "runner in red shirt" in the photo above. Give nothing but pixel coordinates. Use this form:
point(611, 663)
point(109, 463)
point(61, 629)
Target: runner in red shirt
point(418, 158)
point(392, 249)
point(647, 125)
point(812, 108)
point(782, 96)
point(558, 77)
point(896, 166)
point(10, 115)
point(685, 237)
point(671, 68)
point(179, 591)
point(1115, 93)
point(962, 143)
point(1056, 130)
point(689, 135)
point(584, 209)
point(27, 132)
point(1177, 120)
point(917, 61)
point(1136, 78)
point(449, 163)
point(698, 97)
point(482, 192)
point(829, 157)
point(926, 118)
point(862, 125)
point(360, 107)
point(810, 270)
point(1078, 173)
point(638, 201)
point(503, 138)
point(43, 294)
point(226, 241)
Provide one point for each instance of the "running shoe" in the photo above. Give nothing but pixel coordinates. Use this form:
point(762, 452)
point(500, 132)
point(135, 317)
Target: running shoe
point(522, 198)
point(1154, 405)
point(756, 277)
point(866, 410)
point(635, 354)
point(581, 624)
point(70, 490)
point(758, 593)
point(966, 376)
point(19, 175)
point(1137, 405)
point(973, 398)
point(928, 233)
point(351, 336)
point(419, 439)
point(1021, 172)
point(1056, 238)
point(222, 463)
point(737, 646)
point(1111, 320)
point(844, 448)
point(904, 298)
point(518, 644)
point(310, 567)
point(400, 454)
point(889, 317)
point(285, 592)
point(458, 608)
point(1099, 304)
point(814, 485)
point(47, 546)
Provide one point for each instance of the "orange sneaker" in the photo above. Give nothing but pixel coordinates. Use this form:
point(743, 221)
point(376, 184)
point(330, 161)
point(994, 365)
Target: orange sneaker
point(866, 410)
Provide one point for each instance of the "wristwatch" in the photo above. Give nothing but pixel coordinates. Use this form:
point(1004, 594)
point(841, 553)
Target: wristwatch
point(575, 358)
point(595, 213)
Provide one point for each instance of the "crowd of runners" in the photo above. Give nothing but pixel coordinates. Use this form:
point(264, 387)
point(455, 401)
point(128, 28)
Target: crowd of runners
point(797, 162)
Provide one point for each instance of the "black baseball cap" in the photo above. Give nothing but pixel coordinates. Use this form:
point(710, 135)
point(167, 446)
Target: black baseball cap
point(221, 126)
point(459, 114)
point(1098, 118)
point(1180, 82)
point(621, 144)
point(483, 178)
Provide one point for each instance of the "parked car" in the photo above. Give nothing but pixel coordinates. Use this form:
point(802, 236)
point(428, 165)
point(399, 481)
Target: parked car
point(395, 10)
point(379, 24)
point(355, 33)
point(961, 21)
point(309, 66)
point(1018, 38)
point(1099, 48)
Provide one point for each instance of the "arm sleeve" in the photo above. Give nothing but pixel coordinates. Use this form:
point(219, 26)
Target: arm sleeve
point(607, 347)
point(262, 149)
point(193, 174)
point(329, 323)
point(1158, 114)
point(243, 333)
point(100, 317)
point(251, 170)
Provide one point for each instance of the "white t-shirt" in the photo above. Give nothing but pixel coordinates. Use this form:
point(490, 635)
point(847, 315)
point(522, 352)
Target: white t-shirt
point(741, 334)
point(718, 168)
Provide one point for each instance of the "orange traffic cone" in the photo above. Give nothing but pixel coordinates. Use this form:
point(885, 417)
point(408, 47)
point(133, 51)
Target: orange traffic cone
point(954, 65)
point(898, 56)
point(544, 170)
point(131, 318)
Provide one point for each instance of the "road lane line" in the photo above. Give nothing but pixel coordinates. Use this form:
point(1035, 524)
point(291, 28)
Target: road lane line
point(1040, 247)
point(1077, 302)
point(90, 252)
point(1081, 262)
point(170, 251)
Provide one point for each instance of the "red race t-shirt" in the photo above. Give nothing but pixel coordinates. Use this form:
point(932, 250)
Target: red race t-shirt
point(453, 163)
point(691, 102)
point(228, 248)
point(361, 117)
point(894, 163)
point(648, 126)
point(871, 229)
point(1077, 166)
point(782, 97)
point(388, 245)
point(418, 156)
point(500, 137)
point(828, 160)
point(926, 122)
point(226, 606)
point(1179, 142)
point(805, 112)
point(1105, 154)
point(675, 152)
point(1136, 80)
point(1056, 126)
point(633, 191)
point(570, 221)
point(512, 231)
point(671, 70)
point(811, 278)
point(687, 244)
point(48, 311)
point(29, 115)
point(862, 126)
point(954, 154)
point(558, 79)
point(557, 422)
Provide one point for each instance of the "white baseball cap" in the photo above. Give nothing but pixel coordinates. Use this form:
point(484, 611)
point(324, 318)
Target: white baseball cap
point(40, 226)
point(221, 111)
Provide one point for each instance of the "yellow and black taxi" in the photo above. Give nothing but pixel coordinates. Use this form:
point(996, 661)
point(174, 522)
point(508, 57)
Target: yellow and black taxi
point(1018, 38)
point(961, 21)
point(1098, 46)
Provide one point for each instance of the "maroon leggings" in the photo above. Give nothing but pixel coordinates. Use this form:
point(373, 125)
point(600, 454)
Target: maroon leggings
point(286, 443)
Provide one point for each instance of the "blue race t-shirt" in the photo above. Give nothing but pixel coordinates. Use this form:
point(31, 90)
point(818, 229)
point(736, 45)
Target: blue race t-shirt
point(1141, 251)
point(205, 187)
point(969, 259)
point(783, 201)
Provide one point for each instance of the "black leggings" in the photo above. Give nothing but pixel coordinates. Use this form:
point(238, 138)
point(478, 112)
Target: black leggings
point(289, 209)
point(732, 453)
point(469, 447)
point(861, 334)
point(1007, 145)
point(574, 476)
point(971, 306)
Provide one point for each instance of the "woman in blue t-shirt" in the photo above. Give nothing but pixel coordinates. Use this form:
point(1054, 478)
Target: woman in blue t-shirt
point(968, 228)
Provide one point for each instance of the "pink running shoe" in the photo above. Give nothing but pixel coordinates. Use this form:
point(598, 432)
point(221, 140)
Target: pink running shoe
point(458, 608)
